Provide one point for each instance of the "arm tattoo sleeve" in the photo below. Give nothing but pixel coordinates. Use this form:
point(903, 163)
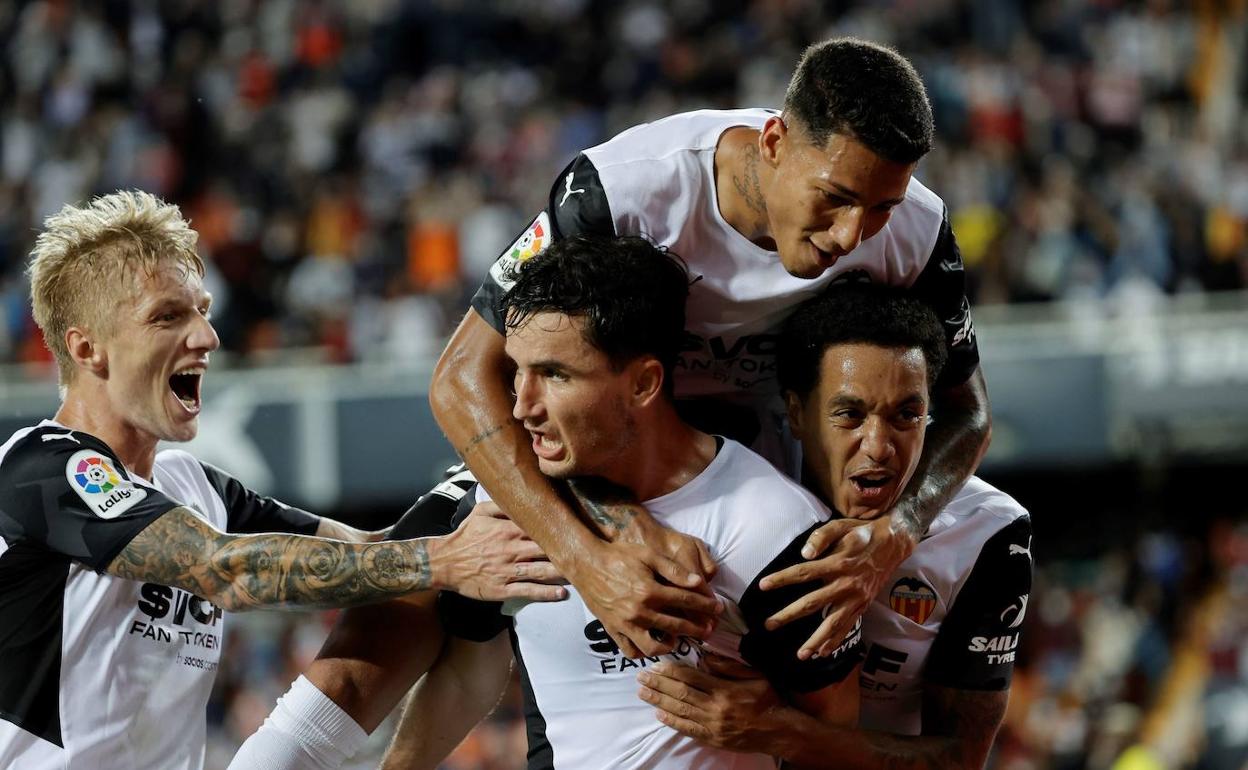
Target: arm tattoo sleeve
point(239, 572)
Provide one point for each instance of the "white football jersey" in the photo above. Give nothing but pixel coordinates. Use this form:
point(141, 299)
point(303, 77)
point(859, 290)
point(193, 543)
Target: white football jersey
point(657, 180)
point(580, 693)
point(951, 614)
point(97, 671)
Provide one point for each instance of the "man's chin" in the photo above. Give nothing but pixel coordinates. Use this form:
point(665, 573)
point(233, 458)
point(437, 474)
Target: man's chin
point(561, 470)
point(182, 432)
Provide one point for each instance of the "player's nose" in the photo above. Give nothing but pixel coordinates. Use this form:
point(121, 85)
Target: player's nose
point(527, 402)
point(877, 439)
point(203, 336)
point(846, 231)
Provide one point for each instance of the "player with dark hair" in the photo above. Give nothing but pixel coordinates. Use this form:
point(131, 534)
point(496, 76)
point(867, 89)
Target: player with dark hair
point(768, 208)
point(856, 366)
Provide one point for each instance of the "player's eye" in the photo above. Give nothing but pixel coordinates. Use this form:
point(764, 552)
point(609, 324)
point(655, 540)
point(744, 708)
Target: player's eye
point(848, 417)
point(835, 199)
point(909, 418)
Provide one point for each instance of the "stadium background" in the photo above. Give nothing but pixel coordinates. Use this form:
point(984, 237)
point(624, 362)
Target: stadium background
point(353, 169)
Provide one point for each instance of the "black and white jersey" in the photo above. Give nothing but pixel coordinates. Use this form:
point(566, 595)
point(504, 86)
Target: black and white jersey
point(581, 698)
point(951, 614)
point(96, 671)
point(657, 180)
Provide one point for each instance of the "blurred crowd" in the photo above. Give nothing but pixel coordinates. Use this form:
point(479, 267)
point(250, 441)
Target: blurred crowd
point(353, 168)
point(1133, 659)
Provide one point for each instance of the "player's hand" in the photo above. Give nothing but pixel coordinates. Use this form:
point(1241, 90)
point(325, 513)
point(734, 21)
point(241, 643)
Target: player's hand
point(645, 599)
point(488, 557)
point(686, 550)
point(864, 554)
point(728, 706)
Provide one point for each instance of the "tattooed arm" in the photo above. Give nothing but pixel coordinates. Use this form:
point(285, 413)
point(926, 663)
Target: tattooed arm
point(487, 558)
point(336, 530)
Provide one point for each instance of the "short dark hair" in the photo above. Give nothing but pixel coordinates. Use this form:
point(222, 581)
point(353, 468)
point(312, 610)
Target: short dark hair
point(856, 313)
point(865, 91)
point(631, 292)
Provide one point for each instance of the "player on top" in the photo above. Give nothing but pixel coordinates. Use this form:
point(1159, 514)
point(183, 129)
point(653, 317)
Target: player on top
point(767, 208)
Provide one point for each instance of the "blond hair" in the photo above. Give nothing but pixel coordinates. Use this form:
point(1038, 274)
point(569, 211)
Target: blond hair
point(84, 253)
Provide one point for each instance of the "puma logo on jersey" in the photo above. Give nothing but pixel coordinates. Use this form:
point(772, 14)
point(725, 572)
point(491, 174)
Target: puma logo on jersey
point(1018, 550)
point(55, 436)
point(569, 191)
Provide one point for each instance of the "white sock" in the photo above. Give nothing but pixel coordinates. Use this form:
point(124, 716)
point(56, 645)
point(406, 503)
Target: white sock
point(306, 730)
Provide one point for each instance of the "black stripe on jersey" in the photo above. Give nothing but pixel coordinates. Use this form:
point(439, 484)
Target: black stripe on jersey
point(577, 206)
point(433, 513)
point(942, 285)
point(439, 512)
point(578, 203)
point(32, 603)
point(974, 649)
point(541, 754)
point(249, 512)
point(466, 618)
point(775, 652)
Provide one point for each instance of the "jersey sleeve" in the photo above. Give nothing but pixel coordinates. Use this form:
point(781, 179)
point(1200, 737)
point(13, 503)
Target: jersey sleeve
point(577, 206)
point(775, 652)
point(67, 492)
point(942, 285)
point(249, 513)
point(466, 618)
point(439, 512)
point(432, 513)
point(975, 647)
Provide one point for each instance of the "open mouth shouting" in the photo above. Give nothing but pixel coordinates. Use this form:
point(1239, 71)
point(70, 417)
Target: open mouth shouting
point(546, 447)
point(185, 385)
point(873, 486)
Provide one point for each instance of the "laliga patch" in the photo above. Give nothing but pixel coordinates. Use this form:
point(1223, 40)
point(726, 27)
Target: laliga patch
point(528, 245)
point(913, 599)
point(100, 486)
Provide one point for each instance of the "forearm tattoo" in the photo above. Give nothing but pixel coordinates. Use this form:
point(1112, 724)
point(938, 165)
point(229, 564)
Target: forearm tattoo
point(480, 437)
point(270, 570)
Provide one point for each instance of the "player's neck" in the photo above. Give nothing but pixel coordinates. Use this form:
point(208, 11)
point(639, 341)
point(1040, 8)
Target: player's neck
point(135, 449)
point(739, 173)
point(666, 455)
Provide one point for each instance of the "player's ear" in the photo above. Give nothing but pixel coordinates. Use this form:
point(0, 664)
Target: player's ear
point(647, 381)
point(85, 350)
point(793, 405)
point(771, 140)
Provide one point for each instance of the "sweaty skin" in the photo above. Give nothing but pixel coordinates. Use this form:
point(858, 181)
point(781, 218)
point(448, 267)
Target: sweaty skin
point(615, 573)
